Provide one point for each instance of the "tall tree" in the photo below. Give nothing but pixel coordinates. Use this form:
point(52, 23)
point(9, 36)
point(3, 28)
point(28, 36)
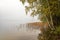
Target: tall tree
point(47, 11)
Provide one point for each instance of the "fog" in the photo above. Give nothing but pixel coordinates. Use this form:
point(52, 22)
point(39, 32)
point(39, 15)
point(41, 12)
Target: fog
point(12, 14)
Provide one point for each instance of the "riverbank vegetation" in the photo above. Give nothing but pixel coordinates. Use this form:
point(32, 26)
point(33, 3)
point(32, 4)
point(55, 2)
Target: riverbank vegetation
point(47, 11)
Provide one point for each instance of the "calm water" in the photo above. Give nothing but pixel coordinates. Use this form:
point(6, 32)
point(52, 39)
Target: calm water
point(11, 30)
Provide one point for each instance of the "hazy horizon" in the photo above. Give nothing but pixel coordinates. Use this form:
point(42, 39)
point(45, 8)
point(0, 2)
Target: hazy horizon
point(12, 14)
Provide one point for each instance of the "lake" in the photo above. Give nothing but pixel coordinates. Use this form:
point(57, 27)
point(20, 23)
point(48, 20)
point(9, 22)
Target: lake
point(11, 30)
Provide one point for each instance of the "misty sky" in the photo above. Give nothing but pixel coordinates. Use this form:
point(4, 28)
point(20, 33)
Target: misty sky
point(13, 10)
point(12, 13)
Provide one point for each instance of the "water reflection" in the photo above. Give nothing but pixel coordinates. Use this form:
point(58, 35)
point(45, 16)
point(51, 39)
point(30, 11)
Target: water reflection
point(23, 32)
point(31, 32)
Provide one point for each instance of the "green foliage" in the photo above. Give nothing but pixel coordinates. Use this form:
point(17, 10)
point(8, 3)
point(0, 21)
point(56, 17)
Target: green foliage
point(47, 11)
point(58, 30)
point(31, 1)
point(23, 1)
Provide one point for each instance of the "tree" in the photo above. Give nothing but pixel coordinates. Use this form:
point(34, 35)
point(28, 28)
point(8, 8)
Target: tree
point(47, 11)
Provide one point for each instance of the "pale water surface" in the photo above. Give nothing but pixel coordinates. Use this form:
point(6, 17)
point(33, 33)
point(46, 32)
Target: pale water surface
point(9, 31)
